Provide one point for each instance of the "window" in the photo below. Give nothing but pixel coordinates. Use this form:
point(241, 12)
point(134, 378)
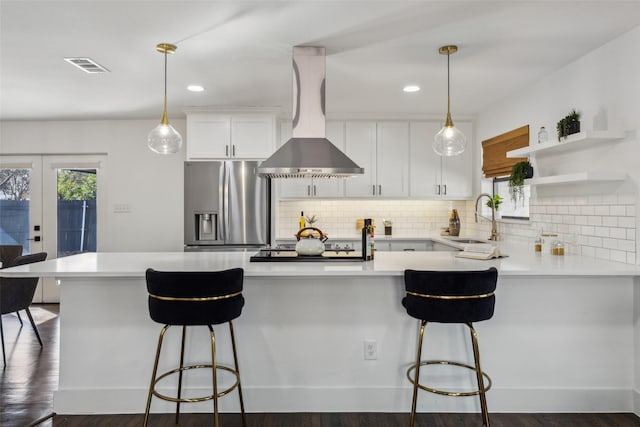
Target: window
point(510, 209)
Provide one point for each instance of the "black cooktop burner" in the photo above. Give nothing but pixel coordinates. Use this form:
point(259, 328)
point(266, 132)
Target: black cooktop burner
point(290, 255)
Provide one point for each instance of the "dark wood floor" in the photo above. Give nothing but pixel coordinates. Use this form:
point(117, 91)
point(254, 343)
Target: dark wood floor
point(27, 384)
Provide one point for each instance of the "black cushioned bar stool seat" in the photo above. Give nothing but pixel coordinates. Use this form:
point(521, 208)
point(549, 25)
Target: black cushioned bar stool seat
point(195, 298)
point(450, 297)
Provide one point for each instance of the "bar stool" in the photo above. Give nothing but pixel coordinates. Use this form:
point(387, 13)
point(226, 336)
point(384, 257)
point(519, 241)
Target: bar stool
point(450, 297)
point(195, 298)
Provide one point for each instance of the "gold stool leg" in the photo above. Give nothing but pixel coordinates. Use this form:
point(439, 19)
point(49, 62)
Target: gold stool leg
point(184, 329)
point(235, 360)
point(215, 376)
point(153, 375)
point(476, 357)
point(416, 380)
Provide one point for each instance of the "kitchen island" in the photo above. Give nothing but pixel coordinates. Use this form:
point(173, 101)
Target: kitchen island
point(565, 336)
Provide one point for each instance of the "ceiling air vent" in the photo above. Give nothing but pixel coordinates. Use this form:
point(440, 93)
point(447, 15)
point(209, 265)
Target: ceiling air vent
point(87, 65)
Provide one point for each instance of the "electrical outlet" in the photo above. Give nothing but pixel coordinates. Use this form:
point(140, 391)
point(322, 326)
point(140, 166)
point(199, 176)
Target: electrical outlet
point(370, 350)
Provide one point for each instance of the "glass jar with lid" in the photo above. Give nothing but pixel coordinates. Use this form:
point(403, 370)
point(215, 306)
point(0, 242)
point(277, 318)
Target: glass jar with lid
point(557, 248)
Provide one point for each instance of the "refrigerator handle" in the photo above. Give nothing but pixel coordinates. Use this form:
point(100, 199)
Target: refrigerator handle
point(223, 220)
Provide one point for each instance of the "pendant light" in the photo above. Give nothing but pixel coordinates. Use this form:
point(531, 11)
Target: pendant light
point(164, 139)
point(450, 141)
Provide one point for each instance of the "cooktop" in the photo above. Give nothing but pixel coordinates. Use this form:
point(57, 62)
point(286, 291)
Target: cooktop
point(278, 255)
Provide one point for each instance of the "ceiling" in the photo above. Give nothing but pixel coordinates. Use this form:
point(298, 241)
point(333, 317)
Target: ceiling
point(241, 53)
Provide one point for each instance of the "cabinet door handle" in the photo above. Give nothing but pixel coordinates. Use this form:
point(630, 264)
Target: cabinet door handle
point(437, 189)
point(314, 190)
point(233, 150)
point(444, 189)
point(408, 249)
point(380, 190)
point(226, 150)
point(308, 190)
point(373, 190)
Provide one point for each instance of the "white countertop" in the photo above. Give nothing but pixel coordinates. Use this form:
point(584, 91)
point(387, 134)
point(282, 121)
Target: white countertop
point(520, 262)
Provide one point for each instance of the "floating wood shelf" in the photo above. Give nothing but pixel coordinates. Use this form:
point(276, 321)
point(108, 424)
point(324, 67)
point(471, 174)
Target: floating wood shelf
point(572, 142)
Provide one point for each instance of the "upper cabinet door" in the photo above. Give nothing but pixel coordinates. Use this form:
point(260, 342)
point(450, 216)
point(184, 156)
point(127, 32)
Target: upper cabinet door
point(392, 159)
point(434, 176)
point(230, 136)
point(252, 136)
point(208, 136)
point(457, 171)
point(424, 163)
point(360, 146)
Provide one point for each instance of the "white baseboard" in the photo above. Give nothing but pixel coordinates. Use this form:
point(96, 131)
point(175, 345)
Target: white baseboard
point(343, 399)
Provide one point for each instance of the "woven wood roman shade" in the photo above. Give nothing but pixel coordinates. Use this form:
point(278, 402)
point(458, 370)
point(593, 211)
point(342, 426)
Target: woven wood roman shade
point(494, 152)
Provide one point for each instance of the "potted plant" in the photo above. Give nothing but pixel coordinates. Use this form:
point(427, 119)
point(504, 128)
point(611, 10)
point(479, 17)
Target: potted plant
point(568, 125)
point(573, 122)
point(495, 202)
point(519, 172)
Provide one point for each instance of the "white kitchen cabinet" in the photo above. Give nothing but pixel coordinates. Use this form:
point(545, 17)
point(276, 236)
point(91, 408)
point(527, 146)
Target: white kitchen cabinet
point(382, 149)
point(230, 136)
point(403, 245)
point(434, 176)
point(295, 188)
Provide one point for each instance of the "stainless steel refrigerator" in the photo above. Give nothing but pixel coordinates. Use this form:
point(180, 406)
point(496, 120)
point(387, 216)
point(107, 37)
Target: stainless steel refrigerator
point(226, 206)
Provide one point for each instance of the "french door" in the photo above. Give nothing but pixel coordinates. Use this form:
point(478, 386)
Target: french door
point(51, 203)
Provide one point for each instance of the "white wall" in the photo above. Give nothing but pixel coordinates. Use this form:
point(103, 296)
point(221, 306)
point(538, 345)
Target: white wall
point(603, 85)
point(150, 183)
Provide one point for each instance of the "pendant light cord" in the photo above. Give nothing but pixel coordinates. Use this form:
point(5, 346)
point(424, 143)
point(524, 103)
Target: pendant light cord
point(448, 87)
point(165, 118)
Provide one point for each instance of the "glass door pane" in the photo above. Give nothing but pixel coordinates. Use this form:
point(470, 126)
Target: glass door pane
point(76, 211)
point(21, 202)
point(15, 190)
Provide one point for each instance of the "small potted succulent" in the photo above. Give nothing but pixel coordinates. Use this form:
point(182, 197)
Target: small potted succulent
point(519, 172)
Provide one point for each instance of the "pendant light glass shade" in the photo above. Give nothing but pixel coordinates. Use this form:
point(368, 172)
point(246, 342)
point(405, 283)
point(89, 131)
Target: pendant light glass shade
point(450, 141)
point(164, 139)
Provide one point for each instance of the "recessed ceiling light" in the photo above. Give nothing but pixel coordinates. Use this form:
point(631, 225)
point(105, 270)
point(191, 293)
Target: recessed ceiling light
point(411, 88)
point(195, 88)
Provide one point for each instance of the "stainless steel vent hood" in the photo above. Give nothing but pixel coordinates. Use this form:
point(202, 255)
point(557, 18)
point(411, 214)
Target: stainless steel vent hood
point(309, 154)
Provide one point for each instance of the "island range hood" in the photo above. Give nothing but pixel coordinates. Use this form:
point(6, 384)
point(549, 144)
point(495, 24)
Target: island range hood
point(309, 154)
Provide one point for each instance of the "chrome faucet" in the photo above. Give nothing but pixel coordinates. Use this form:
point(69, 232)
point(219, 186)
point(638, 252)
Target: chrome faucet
point(494, 228)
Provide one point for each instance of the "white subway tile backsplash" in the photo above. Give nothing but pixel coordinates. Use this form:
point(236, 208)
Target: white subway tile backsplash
point(595, 242)
point(618, 210)
point(627, 245)
point(588, 230)
point(610, 243)
point(587, 210)
point(574, 210)
point(581, 220)
point(626, 222)
point(594, 220)
point(618, 233)
point(602, 226)
point(588, 251)
point(619, 256)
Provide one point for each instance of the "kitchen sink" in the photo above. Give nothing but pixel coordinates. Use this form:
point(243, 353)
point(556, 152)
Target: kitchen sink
point(457, 240)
